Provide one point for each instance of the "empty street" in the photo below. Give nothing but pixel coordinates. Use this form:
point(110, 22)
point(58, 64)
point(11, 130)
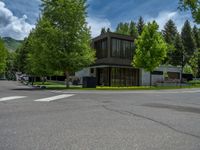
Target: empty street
point(32, 119)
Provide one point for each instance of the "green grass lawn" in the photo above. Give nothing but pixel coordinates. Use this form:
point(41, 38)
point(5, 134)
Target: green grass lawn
point(59, 86)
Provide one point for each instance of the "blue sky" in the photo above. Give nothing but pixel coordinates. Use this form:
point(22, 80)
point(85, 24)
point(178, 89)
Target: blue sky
point(18, 17)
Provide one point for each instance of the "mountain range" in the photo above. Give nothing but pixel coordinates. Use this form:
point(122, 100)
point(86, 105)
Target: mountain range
point(11, 44)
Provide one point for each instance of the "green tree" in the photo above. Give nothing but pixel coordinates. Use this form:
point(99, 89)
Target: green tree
point(108, 30)
point(21, 55)
point(123, 28)
point(179, 53)
point(103, 30)
point(188, 40)
point(187, 69)
point(194, 63)
point(151, 49)
point(72, 49)
point(133, 30)
point(169, 33)
point(198, 63)
point(119, 28)
point(38, 60)
point(11, 66)
point(140, 25)
point(3, 56)
point(193, 6)
point(196, 33)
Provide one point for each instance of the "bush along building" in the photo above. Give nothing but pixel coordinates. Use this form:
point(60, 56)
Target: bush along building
point(113, 67)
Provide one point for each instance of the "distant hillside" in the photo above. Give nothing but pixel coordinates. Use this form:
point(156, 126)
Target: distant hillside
point(11, 44)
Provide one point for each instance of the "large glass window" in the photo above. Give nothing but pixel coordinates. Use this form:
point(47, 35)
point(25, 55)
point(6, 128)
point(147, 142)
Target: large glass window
point(122, 48)
point(124, 77)
point(117, 76)
point(103, 76)
point(101, 47)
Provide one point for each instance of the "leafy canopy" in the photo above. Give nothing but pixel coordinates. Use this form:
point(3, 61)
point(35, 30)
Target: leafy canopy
point(3, 56)
point(38, 61)
point(193, 6)
point(151, 48)
point(71, 36)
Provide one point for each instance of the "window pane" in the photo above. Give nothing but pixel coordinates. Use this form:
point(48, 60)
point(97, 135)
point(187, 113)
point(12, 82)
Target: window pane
point(122, 48)
point(101, 48)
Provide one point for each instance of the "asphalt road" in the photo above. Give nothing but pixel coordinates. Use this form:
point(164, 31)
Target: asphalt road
point(98, 120)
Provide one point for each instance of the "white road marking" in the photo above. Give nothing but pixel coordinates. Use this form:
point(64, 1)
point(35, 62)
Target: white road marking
point(48, 99)
point(11, 98)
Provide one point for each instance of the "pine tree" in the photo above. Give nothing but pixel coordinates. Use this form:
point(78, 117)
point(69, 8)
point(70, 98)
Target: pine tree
point(108, 30)
point(133, 30)
point(119, 28)
point(179, 54)
point(188, 40)
point(140, 25)
point(103, 30)
point(169, 33)
point(196, 33)
point(123, 28)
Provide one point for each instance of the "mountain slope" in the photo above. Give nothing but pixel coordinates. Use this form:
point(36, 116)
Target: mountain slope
point(11, 44)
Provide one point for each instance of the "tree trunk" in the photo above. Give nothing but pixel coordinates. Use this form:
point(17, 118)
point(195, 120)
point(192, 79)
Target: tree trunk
point(32, 80)
point(181, 76)
point(67, 79)
point(150, 79)
point(42, 80)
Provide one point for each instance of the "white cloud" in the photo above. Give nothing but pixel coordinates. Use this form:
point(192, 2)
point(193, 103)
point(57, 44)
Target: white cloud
point(164, 16)
point(12, 26)
point(97, 24)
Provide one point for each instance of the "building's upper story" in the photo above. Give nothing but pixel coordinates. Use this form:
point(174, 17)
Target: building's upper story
point(113, 49)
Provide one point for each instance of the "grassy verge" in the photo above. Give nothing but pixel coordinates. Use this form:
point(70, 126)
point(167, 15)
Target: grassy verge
point(59, 86)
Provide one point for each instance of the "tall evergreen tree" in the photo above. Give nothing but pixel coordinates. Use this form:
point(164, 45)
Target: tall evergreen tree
point(169, 33)
point(103, 30)
point(119, 28)
point(140, 25)
point(196, 33)
point(123, 28)
point(179, 54)
point(108, 30)
point(188, 40)
point(133, 30)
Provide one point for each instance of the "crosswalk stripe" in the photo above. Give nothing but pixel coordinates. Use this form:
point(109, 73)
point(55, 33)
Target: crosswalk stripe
point(11, 98)
point(48, 99)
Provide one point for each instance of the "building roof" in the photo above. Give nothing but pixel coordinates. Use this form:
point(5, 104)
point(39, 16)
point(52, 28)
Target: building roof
point(114, 35)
